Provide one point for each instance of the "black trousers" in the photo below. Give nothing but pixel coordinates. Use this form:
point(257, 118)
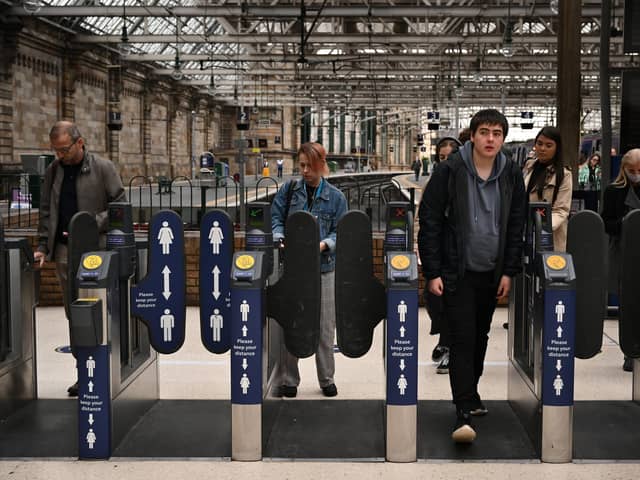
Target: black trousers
point(469, 311)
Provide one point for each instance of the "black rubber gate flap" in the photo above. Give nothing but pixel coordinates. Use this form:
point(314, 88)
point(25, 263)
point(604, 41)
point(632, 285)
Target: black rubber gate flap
point(629, 298)
point(586, 242)
point(294, 301)
point(360, 297)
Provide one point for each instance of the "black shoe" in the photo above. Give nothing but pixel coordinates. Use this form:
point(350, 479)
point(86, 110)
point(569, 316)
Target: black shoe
point(73, 390)
point(287, 391)
point(477, 407)
point(463, 431)
point(505, 325)
point(443, 366)
point(330, 390)
point(438, 352)
point(627, 366)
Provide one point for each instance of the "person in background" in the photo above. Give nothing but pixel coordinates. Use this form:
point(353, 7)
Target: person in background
point(280, 165)
point(76, 181)
point(440, 354)
point(472, 215)
point(314, 194)
point(416, 166)
point(620, 197)
point(548, 180)
point(590, 173)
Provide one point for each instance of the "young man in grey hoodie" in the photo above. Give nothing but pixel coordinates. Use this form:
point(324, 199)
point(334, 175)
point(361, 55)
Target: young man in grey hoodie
point(471, 215)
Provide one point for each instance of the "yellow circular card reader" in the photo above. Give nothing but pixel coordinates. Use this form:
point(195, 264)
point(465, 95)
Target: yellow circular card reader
point(92, 262)
point(400, 262)
point(556, 262)
point(245, 262)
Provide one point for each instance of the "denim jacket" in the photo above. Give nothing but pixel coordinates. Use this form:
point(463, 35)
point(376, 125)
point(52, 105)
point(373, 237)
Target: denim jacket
point(328, 207)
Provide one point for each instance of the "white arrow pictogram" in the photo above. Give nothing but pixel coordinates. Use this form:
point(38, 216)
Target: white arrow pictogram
point(559, 332)
point(402, 330)
point(558, 365)
point(90, 387)
point(91, 419)
point(216, 282)
point(244, 331)
point(244, 364)
point(402, 367)
point(166, 289)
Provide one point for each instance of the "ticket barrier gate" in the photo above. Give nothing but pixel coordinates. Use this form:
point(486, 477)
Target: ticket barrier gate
point(362, 301)
point(17, 325)
point(541, 342)
point(606, 429)
point(322, 428)
point(290, 298)
point(117, 369)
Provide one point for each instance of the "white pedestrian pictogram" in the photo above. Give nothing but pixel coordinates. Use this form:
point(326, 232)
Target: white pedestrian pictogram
point(244, 310)
point(558, 385)
point(402, 384)
point(216, 322)
point(215, 237)
point(402, 311)
point(165, 237)
point(245, 384)
point(560, 308)
point(91, 365)
point(91, 438)
point(167, 322)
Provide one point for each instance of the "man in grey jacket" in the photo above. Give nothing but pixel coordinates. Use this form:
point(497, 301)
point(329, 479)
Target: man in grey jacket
point(77, 181)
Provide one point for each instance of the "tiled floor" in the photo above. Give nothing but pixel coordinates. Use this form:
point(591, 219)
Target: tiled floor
point(194, 373)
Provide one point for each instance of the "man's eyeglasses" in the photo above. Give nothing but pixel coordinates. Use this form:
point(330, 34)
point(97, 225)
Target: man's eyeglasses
point(64, 150)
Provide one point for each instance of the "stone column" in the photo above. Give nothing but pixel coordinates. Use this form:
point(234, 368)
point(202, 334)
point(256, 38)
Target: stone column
point(147, 102)
point(8, 52)
point(69, 74)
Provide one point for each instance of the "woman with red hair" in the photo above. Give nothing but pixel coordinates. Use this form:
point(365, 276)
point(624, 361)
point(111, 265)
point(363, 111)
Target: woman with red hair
point(314, 194)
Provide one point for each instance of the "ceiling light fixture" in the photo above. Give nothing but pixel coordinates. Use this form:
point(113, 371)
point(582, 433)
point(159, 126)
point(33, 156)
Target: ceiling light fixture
point(507, 41)
point(176, 74)
point(124, 47)
point(32, 6)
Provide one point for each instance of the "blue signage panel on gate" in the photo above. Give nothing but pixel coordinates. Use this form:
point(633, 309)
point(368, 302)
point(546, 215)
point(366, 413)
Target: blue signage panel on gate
point(558, 347)
point(246, 346)
point(159, 299)
point(94, 402)
point(216, 251)
point(402, 347)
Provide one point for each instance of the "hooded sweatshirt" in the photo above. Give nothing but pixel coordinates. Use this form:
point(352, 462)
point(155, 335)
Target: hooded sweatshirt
point(483, 223)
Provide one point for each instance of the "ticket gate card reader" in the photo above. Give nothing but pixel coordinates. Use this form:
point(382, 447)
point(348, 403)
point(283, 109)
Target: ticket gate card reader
point(402, 356)
point(258, 234)
point(399, 233)
point(91, 314)
point(248, 276)
point(557, 303)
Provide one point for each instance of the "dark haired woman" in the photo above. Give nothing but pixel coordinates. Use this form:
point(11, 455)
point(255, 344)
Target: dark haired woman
point(548, 180)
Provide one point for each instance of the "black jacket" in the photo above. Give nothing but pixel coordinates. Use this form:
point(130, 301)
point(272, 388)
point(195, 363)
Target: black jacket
point(443, 208)
point(614, 209)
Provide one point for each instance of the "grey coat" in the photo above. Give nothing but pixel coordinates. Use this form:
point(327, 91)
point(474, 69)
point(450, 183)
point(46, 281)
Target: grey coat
point(97, 185)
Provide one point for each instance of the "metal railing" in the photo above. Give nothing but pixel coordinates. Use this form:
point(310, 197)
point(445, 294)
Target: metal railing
point(191, 198)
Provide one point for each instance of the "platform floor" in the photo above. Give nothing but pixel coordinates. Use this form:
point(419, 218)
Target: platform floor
point(195, 374)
